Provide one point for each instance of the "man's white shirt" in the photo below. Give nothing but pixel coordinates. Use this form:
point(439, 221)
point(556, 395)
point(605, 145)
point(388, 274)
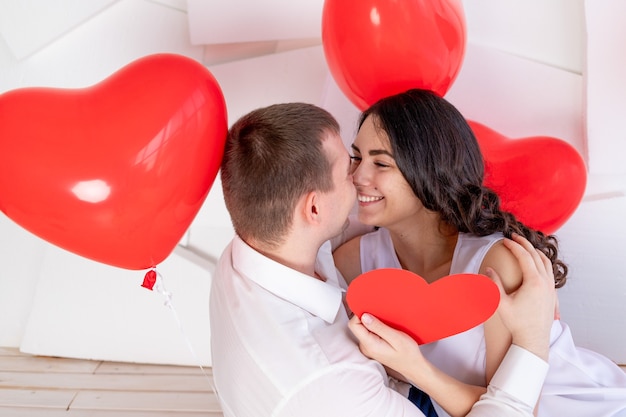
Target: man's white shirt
point(281, 346)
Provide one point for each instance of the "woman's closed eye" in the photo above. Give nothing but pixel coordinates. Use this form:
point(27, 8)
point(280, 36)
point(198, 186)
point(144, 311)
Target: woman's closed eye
point(354, 162)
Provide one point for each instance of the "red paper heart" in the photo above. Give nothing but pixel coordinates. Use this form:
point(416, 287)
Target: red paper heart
point(426, 312)
point(540, 179)
point(115, 172)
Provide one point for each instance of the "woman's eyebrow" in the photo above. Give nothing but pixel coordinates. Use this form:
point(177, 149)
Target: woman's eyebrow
point(373, 152)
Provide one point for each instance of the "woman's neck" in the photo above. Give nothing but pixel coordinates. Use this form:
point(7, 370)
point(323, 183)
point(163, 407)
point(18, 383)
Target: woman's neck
point(425, 248)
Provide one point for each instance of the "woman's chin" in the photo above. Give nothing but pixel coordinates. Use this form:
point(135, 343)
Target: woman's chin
point(366, 219)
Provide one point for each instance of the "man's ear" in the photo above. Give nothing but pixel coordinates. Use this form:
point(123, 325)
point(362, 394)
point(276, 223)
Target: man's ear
point(311, 207)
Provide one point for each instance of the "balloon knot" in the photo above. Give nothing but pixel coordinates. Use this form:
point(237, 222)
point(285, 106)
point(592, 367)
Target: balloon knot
point(150, 279)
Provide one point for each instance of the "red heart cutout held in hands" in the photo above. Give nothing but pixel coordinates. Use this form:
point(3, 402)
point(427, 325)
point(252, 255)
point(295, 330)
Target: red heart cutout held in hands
point(426, 312)
point(540, 179)
point(115, 172)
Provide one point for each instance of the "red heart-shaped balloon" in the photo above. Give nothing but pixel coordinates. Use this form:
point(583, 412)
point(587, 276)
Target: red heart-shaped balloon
point(378, 48)
point(115, 172)
point(540, 179)
point(426, 312)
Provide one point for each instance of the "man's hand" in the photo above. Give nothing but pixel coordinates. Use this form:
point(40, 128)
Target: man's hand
point(528, 312)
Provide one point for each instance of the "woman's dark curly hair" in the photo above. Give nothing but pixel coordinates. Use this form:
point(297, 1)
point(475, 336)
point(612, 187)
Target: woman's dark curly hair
point(440, 158)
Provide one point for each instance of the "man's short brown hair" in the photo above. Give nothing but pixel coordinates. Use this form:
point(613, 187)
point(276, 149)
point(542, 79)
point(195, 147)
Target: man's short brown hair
point(273, 156)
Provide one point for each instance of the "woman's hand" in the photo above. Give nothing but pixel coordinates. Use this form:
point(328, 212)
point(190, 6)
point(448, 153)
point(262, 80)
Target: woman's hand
point(392, 348)
point(398, 351)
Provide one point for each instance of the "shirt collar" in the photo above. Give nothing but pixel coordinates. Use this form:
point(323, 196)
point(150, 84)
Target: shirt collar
point(322, 299)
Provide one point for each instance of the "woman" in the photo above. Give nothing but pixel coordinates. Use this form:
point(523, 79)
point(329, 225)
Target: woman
point(419, 173)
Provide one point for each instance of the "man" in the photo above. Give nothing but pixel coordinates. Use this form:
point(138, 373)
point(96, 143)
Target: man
point(280, 340)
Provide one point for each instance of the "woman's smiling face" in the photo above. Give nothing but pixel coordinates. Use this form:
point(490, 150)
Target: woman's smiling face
point(384, 196)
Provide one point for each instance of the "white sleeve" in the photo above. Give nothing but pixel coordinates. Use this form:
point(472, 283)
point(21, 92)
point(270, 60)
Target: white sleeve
point(346, 390)
point(356, 391)
point(515, 388)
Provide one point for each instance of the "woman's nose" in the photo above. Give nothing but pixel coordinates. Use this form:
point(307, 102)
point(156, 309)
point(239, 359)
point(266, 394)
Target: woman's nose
point(359, 175)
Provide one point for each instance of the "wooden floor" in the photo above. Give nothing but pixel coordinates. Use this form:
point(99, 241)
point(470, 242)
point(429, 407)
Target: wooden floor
point(36, 386)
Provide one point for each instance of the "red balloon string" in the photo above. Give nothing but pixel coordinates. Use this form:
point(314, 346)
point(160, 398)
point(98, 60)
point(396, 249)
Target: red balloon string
point(154, 280)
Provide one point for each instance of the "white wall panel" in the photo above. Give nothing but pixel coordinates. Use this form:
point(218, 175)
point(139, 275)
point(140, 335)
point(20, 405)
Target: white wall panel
point(519, 97)
point(605, 186)
point(342, 108)
point(606, 85)
point(84, 309)
point(29, 25)
point(215, 54)
point(174, 4)
point(120, 34)
point(21, 257)
point(551, 32)
point(10, 74)
point(218, 21)
point(592, 300)
point(297, 75)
